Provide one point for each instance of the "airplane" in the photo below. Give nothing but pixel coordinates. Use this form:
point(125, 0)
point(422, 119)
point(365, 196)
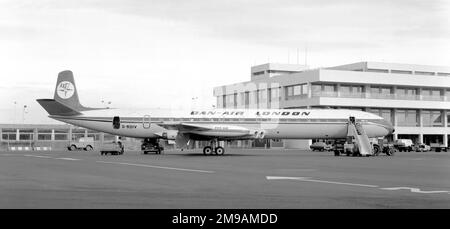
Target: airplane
point(180, 127)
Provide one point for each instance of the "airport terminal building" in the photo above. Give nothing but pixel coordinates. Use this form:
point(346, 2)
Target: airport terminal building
point(415, 98)
point(52, 137)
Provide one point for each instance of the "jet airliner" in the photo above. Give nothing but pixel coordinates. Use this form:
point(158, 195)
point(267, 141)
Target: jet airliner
point(207, 125)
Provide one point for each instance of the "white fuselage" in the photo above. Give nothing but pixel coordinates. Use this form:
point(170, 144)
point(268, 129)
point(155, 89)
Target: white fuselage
point(231, 124)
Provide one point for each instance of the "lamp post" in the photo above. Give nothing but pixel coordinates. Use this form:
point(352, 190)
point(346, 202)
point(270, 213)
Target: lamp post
point(194, 102)
point(15, 106)
point(104, 102)
point(23, 113)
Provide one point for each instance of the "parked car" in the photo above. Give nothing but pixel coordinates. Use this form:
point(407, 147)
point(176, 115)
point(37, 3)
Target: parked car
point(421, 147)
point(320, 146)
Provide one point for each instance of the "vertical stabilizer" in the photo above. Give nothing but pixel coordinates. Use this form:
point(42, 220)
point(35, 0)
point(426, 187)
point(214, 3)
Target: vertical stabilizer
point(66, 91)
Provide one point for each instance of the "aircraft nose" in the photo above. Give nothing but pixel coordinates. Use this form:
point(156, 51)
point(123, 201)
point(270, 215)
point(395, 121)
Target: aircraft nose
point(388, 125)
point(391, 129)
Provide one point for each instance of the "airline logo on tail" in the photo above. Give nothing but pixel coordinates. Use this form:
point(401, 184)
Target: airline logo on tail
point(65, 89)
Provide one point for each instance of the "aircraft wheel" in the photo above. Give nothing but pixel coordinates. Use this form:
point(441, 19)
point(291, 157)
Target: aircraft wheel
point(207, 150)
point(220, 150)
point(390, 152)
point(376, 150)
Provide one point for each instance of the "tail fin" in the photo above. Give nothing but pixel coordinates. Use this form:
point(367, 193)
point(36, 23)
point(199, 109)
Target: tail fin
point(65, 100)
point(66, 91)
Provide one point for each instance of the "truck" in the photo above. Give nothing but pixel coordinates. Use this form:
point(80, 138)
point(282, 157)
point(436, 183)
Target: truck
point(437, 147)
point(85, 143)
point(111, 147)
point(404, 145)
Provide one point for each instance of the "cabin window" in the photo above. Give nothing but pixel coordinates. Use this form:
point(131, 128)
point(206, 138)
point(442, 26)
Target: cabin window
point(116, 122)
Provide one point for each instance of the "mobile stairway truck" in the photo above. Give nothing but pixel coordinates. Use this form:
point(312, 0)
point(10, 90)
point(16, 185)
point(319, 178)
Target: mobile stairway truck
point(358, 143)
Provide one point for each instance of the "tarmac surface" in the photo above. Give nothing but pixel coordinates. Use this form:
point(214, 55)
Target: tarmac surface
point(242, 178)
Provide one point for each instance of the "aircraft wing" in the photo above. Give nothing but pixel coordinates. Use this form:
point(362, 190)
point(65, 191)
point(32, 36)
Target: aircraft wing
point(183, 127)
point(222, 131)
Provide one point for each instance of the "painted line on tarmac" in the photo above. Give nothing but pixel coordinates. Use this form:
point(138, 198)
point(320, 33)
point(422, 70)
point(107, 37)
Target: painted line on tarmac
point(413, 190)
point(319, 181)
point(157, 167)
point(48, 157)
point(39, 156)
point(298, 170)
point(67, 158)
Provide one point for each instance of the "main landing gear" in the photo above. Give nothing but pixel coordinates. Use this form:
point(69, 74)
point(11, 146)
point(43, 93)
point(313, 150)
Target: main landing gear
point(214, 148)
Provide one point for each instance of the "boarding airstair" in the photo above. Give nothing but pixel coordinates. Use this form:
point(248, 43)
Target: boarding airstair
point(356, 130)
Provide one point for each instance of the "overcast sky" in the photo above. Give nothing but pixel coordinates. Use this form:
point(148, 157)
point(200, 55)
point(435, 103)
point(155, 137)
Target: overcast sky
point(148, 54)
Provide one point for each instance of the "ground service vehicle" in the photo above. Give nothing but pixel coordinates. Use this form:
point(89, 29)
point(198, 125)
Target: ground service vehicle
point(421, 147)
point(384, 146)
point(437, 147)
point(86, 143)
point(113, 148)
point(320, 146)
point(404, 145)
point(350, 148)
point(151, 145)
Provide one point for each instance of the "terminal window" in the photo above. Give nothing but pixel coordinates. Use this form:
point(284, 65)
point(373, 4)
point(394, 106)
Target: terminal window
point(352, 91)
point(448, 118)
point(432, 118)
point(407, 93)
point(299, 90)
point(26, 134)
point(62, 134)
point(45, 135)
point(9, 134)
point(324, 90)
point(407, 117)
point(432, 94)
point(381, 92)
point(384, 113)
point(258, 73)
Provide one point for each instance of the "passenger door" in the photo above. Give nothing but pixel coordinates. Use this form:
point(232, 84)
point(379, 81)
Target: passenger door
point(146, 121)
point(116, 122)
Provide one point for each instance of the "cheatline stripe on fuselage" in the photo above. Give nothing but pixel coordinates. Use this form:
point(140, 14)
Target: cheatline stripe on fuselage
point(292, 121)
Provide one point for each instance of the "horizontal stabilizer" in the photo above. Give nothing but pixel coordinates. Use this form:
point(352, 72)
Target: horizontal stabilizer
point(54, 107)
